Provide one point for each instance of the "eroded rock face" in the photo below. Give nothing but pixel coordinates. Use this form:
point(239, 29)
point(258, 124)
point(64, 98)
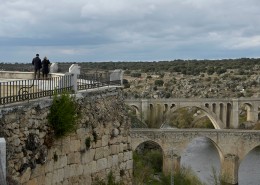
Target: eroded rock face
point(34, 156)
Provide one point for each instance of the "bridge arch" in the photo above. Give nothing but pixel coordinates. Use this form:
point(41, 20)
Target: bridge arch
point(249, 166)
point(216, 123)
point(220, 153)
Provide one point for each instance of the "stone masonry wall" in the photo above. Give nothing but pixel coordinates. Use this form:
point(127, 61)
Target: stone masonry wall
point(36, 157)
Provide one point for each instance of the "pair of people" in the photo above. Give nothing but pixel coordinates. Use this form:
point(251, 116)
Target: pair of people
point(38, 64)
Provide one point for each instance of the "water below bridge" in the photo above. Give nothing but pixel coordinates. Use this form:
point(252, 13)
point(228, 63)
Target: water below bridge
point(202, 156)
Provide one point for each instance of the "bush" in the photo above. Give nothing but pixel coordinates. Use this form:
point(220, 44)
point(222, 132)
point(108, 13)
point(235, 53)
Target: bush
point(159, 82)
point(63, 114)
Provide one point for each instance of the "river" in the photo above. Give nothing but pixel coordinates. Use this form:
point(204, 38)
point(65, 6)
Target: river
point(202, 157)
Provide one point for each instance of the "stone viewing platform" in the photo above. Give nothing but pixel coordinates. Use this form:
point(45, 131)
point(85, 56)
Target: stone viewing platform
point(20, 86)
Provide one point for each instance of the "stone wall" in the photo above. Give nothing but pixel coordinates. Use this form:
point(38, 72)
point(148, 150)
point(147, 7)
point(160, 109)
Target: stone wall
point(35, 156)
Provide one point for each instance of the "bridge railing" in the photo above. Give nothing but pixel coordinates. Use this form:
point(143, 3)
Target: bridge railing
point(12, 91)
point(21, 90)
point(95, 80)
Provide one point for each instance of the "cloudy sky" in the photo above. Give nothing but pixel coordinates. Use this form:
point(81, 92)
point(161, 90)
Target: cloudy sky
point(128, 30)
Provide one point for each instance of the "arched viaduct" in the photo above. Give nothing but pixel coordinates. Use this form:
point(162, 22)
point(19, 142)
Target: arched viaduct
point(232, 145)
point(223, 113)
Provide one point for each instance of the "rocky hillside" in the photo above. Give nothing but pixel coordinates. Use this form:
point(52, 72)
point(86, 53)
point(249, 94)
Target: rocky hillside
point(176, 85)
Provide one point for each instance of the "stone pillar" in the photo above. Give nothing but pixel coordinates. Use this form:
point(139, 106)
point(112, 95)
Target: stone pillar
point(234, 118)
point(144, 110)
point(225, 115)
point(117, 75)
point(75, 70)
point(2, 161)
point(252, 113)
point(54, 68)
point(229, 171)
point(171, 163)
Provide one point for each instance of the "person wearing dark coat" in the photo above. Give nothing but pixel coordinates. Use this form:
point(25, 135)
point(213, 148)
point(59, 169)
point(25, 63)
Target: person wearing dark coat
point(45, 67)
point(37, 66)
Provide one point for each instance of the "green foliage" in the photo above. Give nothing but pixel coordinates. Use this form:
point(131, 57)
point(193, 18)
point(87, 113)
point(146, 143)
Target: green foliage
point(183, 118)
point(144, 171)
point(94, 134)
point(63, 114)
point(159, 82)
point(110, 180)
point(87, 142)
point(136, 74)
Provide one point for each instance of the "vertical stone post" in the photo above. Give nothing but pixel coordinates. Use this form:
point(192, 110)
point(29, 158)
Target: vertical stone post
point(234, 118)
point(225, 114)
point(144, 110)
point(171, 163)
point(75, 70)
point(117, 75)
point(2, 161)
point(252, 113)
point(229, 171)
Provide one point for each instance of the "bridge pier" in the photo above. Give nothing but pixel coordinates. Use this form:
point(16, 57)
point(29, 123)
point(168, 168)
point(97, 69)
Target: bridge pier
point(171, 163)
point(229, 170)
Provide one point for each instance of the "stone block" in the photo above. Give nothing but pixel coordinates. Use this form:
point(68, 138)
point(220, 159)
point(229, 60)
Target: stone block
point(73, 158)
point(61, 162)
point(105, 140)
point(26, 176)
point(74, 145)
point(114, 149)
point(129, 164)
point(99, 153)
point(114, 160)
point(101, 164)
point(38, 171)
point(32, 182)
point(49, 166)
point(88, 156)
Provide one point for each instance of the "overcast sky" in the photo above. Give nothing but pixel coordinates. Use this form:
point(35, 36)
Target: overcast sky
point(128, 30)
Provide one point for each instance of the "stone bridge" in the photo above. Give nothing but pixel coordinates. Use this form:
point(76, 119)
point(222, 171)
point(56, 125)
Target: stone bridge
point(223, 113)
point(232, 146)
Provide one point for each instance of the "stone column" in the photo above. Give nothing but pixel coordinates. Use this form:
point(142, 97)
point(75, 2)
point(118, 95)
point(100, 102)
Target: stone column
point(229, 170)
point(2, 161)
point(144, 110)
point(234, 119)
point(252, 113)
point(171, 163)
point(224, 115)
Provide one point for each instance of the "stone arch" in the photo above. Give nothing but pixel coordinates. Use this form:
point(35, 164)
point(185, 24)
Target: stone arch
point(212, 158)
point(135, 110)
point(216, 123)
point(242, 156)
point(251, 165)
point(220, 153)
point(248, 107)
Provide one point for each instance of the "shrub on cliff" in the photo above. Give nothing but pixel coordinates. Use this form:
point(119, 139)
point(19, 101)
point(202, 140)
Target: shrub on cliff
point(63, 114)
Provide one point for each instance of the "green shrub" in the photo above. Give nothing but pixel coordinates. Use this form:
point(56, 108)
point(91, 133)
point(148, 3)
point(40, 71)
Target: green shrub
point(63, 114)
point(87, 142)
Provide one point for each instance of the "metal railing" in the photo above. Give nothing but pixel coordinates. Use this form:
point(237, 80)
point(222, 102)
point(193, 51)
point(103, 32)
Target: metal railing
point(95, 80)
point(21, 90)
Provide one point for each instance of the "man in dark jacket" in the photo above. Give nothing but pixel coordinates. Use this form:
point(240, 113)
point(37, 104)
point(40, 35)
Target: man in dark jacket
point(37, 66)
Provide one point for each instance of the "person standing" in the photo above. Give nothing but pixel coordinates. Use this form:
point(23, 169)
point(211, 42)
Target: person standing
point(45, 67)
point(37, 66)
